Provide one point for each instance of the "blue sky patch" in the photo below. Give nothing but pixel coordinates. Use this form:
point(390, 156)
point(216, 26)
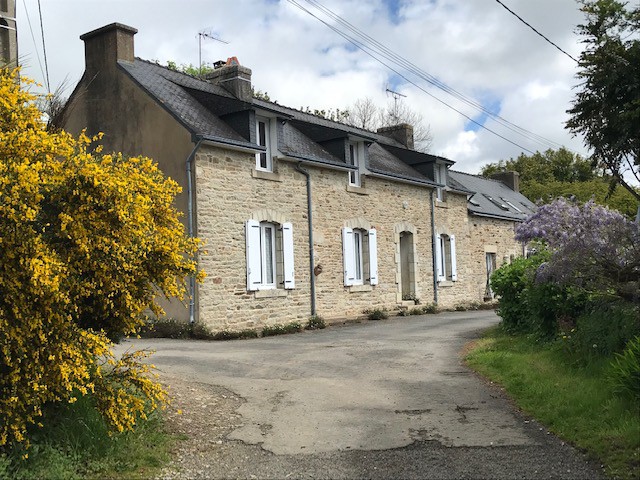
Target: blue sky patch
point(393, 10)
point(489, 103)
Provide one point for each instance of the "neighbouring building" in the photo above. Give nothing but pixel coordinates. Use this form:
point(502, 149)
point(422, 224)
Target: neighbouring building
point(301, 215)
point(8, 34)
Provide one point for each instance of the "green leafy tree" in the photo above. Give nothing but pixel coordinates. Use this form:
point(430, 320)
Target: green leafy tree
point(606, 109)
point(561, 173)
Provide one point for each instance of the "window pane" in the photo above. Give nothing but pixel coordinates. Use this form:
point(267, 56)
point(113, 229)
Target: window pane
point(262, 134)
point(268, 256)
point(443, 255)
point(357, 243)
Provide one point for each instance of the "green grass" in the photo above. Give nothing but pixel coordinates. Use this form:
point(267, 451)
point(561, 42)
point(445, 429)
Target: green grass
point(74, 444)
point(574, 401)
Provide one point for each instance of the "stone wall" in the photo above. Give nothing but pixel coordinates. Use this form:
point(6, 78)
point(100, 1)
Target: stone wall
point(489, 235)
point(475, 236)
point(229, 192)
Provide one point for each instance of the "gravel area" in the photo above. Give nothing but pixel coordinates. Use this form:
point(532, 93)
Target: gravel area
point(203, 416)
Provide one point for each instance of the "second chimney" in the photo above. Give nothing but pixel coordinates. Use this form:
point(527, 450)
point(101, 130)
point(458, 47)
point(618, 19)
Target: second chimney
point(402, 133)
point(510, 178)
point(234, 78)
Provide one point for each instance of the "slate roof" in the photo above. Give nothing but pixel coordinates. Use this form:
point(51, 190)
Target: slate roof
point(197, 104)
point(492, 198)
point(172, 90)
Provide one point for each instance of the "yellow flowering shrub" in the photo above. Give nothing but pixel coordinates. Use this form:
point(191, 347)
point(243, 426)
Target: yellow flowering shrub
point(88, 241)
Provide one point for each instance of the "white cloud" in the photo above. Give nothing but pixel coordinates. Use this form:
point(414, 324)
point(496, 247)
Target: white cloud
point(477, 48)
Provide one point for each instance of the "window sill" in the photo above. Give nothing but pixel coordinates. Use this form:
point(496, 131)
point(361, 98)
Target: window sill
point(360, 288)
point(271, 293)
point(446, 283)
point(264, 175)
point(441, 204)
point(358, 190)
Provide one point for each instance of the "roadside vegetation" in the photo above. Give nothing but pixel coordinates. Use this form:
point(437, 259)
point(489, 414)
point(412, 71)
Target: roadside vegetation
point(89, 240)
point(568, 347)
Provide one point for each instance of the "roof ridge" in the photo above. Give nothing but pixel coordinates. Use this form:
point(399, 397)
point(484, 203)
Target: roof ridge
point(480, 176)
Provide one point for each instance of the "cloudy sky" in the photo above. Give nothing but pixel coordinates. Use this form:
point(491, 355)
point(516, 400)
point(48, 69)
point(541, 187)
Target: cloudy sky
point(475, 48)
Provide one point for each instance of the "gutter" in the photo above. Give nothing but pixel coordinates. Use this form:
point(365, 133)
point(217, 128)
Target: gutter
point(312, 274)
point(190, 222)
point(433, 250)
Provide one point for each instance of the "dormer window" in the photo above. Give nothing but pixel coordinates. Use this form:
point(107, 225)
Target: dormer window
point(353, 159)
point(264, 160)
point(440, 176)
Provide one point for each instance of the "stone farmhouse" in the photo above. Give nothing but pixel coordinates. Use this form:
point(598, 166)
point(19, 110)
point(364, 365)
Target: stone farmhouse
point(300, 215)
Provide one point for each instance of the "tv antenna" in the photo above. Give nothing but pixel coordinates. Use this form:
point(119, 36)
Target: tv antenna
point(210, 35)
point(396, 96)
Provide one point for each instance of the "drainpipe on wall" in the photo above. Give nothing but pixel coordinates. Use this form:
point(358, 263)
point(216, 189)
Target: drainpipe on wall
point(312, 274)
point(433, 250)
point(192, 278)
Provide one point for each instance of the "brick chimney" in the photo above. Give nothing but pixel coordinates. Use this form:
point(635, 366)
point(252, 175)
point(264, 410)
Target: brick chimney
point(402, 133)
point(510, 178)
point(234, 78)
point(106, 45)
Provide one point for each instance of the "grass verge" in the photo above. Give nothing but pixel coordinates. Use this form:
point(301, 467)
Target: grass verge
point(75, 444)
point(574, 401)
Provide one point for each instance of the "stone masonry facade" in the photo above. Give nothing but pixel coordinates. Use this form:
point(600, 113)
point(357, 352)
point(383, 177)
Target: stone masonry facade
point(380, 237)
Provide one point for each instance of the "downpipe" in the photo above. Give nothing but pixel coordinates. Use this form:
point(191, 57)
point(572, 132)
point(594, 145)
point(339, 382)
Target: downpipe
point(190, 226)
point(433, 250)
point(312, 274)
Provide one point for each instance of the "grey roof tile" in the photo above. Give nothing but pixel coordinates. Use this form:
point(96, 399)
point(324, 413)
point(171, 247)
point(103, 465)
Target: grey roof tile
point(170, 89)
point(493, 198)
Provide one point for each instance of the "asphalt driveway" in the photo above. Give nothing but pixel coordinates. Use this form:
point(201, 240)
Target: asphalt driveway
point(387, 399)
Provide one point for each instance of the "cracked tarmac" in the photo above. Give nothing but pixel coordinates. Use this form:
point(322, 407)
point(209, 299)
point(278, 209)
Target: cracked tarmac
point(372, 400)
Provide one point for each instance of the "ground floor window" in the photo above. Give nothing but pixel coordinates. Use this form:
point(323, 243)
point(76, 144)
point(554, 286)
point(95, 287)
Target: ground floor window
point(446, 264)
point(359, 248)
point(269, 255)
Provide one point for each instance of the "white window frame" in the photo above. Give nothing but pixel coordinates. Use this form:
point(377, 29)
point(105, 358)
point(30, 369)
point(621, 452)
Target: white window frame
point(265, 227)
point(264, 142)
point(354, 249)
point(257, 256)
point(446, 270)
point(358, 238)
point(440, 174)
point(353, 154)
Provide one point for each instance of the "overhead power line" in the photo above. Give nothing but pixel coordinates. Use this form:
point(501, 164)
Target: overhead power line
point(375, 50)
point(24, 3)
point(44, 48)
point(537, 32)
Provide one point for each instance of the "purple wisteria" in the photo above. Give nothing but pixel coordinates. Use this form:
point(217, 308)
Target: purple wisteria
point(592, 247)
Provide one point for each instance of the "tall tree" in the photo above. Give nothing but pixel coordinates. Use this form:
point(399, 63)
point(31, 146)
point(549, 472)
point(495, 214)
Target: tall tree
point(606, 109)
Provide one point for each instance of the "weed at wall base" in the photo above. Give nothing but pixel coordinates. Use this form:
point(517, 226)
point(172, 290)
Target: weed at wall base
point(315, 322)
point(376, 314)
point(272, 330)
